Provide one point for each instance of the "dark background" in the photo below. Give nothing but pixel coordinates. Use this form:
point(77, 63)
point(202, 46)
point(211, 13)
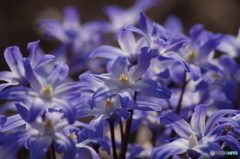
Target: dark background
point(19, 17)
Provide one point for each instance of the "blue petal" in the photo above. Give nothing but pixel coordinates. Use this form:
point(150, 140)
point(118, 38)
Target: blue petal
point(195, 72)
point(146, 106)
point(230, 88)
point(68, 109)
point(67, 88)
point(180, 126)
point(232, 142)
point(173, 24)
point(167, 150)
point(126, 40)
point(164, 73)
point(195, 31)
point(124, 113)
point(32, 77)
point(40, 147)
point(13, 57)
point(37, 108)
point(12, 122)
point(71, 18)
point(3, 120)
point(33, 56)
point(53, 29)
point(14, 93)
point(44, 60)
point(109, 52)
point(23, 111)
point(120, 67)
point(198, 119)
point(58, 75)
point(138, 70)
point(209, 46)
point(12, 144)
point(104, 144)
point(143, 23)
point(213, 119)
point(152, 88)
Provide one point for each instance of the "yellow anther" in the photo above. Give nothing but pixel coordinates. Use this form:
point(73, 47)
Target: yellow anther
point(160, 39)
point(73, 135)
point(216, 76)
point(192, 54)
point(108, 102)
point(48, 123)
point(47, 89)
point(123, 78)
point(192, 141)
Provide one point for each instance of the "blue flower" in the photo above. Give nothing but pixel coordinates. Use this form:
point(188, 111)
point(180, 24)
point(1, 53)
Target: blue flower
point(52, 91)
point(121, 17)
point(199, 136)
point(122, 79)
point(14, 59)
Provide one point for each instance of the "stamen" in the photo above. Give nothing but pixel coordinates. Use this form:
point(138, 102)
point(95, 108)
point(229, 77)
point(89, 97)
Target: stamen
point(47, 92)
point(123, 78)
point(108, 102)
point(192, 141)
point(192, 54)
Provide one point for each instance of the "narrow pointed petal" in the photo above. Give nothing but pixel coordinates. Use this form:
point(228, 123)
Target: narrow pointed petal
point(67, 146)
point(53, 29)
point(126, 40)
point(32, 48)
point(152, 88)
point(230, 88)
point(109, 52)
point(138, 70)
point(37, 109)
point(58, 75)
point(174, 24)
point(178, 146)
point(13, 122)
point(198, 119)
point(32, 77)
point(213, 119)
point(68, 109)
point(143, 23)
point(180, 126)
point(40, 147)
point(104, 144)
point(146, 106)
point(232, 142)
point(13, 57)
point(14, 93)
point(67, 88)
point(195, 72)
point(120, 67)
point(71, 18)
point(44, 60)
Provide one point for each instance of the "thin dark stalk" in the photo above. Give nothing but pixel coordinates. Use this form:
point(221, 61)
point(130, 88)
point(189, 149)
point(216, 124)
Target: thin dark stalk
point(182, 92)
point(49, 154)
point(235, 104)
point(53, 151)
point(126, 136)
point(111, 124)
point(121, 129)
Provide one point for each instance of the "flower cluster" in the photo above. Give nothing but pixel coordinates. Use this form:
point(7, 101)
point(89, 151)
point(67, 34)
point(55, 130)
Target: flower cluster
point(158, 81)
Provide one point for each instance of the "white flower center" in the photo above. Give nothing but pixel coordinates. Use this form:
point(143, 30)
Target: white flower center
point(47, 92)
point(109, 106)
point(192, 55)
point(124, 81)
point(48, 128)
point(192, 141)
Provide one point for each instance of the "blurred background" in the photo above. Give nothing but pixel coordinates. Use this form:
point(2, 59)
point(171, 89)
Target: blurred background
point(18, 18)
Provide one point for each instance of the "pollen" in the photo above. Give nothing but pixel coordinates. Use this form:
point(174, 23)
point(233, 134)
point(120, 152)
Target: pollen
point(108, 102)
point(160, 39)
point(48, 123)
point(47, 92)
point(47, 89)
point(123, 78)
point(192, 54)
